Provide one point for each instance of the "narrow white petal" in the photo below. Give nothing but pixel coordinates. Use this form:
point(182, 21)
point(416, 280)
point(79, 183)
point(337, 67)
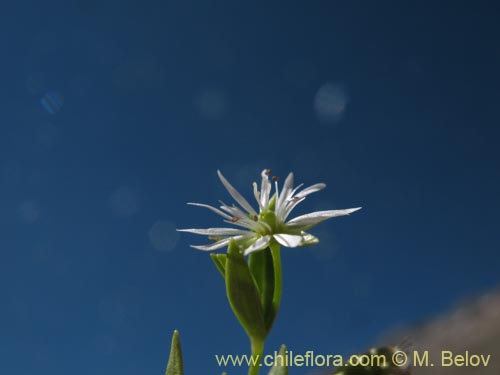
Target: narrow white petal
point(241, 223)
point(233, 210)
point(290, 205)
point(288, 240)
point(236, 195)
point(296, 188)
point(256, 194)
point(294, 200)
point(319, 216)
point(311, 189)
point(277, 193)
point(214, 246)
point(217, 245)
point(219, 212)
point(215, 231)
point(260, 244)
point(285, 195)
point(265, 188)
point(239, 214)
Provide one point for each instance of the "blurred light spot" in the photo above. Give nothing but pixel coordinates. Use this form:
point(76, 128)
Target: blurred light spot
point(124, 201)
point(163, 236)
point(211, 104)
point(28, 212)
point(330, 103)
point(52, 102)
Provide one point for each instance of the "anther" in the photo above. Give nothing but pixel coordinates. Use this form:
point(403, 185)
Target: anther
point(235, 219)
point(275, 178)
point(267, 172)
point(255, 218)
point(295, 199)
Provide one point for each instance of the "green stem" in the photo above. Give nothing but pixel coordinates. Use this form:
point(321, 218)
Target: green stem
point(257, 346)
point(276, 254)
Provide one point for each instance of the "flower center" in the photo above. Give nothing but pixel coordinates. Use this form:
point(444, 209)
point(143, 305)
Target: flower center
point(270, 219)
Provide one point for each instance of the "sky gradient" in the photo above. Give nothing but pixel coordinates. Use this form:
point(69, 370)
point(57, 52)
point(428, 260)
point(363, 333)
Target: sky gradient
point(117, 113)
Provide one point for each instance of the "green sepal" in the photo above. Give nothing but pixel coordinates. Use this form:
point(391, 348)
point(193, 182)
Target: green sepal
point(262, 269)
point(243, 295)
point(280, 367)
point(175, 365)
point(220, 262)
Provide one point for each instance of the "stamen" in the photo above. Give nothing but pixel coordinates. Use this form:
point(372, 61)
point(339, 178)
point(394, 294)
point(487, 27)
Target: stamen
point(235, 219)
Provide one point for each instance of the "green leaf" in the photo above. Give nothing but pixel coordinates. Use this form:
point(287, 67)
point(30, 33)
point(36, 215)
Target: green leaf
point(262, 269)
point(220, 262)
point(280, 367)
point(175, 366)
point(243, 295)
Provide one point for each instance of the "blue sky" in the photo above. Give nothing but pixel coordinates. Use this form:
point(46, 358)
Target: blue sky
point(117, 113)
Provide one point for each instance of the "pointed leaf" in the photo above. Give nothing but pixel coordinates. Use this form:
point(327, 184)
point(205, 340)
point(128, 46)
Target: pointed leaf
point(243, 295)
point(262, 269)
point(280, 367)
point(175, 365)
point(220, 262)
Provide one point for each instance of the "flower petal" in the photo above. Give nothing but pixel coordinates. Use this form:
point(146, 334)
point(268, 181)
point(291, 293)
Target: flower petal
point(319, 216)
point(260, 244)
point(219, 212)
point(265, 188)
point(216, 231)
point(311, 189)
point(293, 201)
point(285, 195)
point(256, 194)
point(236, 195)
point(289, 206)
point(214, 246)
point(219, 244)
point(240, 215)
point(288, 240)
point(308, 239)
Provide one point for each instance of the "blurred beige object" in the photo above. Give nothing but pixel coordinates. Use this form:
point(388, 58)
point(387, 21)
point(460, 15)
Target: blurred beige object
point(474, 327)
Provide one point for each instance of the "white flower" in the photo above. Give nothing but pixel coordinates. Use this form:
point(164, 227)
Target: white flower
point(257, 230)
